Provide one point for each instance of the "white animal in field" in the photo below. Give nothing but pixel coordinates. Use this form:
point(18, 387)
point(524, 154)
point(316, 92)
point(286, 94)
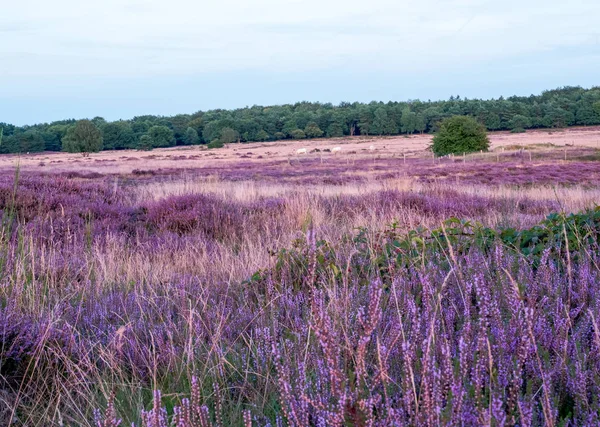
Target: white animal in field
point(372, 148)
point(336, 150)
point(301, 151)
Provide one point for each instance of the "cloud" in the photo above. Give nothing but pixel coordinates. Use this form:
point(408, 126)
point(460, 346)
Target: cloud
point(130, 37)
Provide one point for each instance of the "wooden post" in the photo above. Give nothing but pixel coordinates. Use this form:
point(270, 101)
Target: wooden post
point(530, 156)
point(404, 154)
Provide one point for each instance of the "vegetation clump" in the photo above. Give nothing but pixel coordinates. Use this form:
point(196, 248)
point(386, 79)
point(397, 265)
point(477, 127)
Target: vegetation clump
point(459, 135)
point(84, 137)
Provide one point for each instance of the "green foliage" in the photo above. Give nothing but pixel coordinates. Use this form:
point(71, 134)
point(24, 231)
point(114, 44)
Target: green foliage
point(458, 135)
point(23, 142)
point(53, 136)
point(262, 135)
point(556, 117)
point(389, 249)
point(298, 134)
point(335, 130)
point(312, 130)
point(519, 123)
point(587, 115)
point(191, 136)
point(84, 137)
point(555, 234)
point(161, 136)
point(409, 121)
point(228, 135)
point(382, 123)
point(118, 136)
point(216, 144)
point(145, 143)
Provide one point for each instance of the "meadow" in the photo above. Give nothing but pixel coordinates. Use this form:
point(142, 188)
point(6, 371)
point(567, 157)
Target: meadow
point(249, 286)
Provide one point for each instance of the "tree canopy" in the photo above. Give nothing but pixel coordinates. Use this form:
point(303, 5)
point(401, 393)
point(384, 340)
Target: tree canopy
point(459, 135)
point(567, 106)
point(84, 137)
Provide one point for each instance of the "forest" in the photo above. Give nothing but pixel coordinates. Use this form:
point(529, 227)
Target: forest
point(562, 107)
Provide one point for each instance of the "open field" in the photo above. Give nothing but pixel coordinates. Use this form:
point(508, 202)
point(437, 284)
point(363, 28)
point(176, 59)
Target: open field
point(249, 286)
point(575, 140)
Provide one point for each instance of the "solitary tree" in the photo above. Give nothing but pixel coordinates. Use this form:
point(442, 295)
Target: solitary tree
point(458, 135)
point(84, 137)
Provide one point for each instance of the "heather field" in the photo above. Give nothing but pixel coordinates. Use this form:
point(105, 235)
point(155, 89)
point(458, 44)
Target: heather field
point(251, 287)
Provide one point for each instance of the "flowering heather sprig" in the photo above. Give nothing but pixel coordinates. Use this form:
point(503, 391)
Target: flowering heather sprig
point(157, 416)
point(218, 405)
point(247, 418)
point(109, 419)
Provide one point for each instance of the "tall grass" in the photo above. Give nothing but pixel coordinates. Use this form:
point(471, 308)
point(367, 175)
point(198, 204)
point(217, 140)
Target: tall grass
point(111, 294)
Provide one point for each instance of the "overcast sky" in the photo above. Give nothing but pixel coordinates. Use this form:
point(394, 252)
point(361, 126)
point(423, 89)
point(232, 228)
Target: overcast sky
point(121, 58)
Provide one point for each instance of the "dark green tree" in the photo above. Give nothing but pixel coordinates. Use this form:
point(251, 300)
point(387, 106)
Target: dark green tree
point(312, 130)
point(289, 128)
point(298, 134)
point(84, 137)
point(262, 135)
point(145, 143)
point(161, 136)
point(433, 118)
point(118, 136)
point(53, 136)
point(408, 121)
point(493, 122)
point(420, 123)
point(586, 115)
point(519, 123)
point(229, 135)
point(382, 124)
point(458, 135)
point(365, 120)
point(556, 117)
point(191, 136)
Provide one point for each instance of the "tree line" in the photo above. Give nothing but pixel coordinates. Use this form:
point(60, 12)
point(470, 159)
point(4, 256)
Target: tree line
point(562, 107)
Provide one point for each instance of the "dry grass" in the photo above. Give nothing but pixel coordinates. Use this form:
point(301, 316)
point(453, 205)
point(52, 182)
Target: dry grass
point(124, 162)
point(152, 269)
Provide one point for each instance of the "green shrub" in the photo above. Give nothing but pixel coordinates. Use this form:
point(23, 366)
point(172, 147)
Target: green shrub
point(298, 134)
point(458, 135)
point(145, 143)
point(216, 144)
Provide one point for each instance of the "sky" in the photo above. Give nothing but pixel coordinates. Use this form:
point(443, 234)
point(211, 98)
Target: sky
point(121, 58)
